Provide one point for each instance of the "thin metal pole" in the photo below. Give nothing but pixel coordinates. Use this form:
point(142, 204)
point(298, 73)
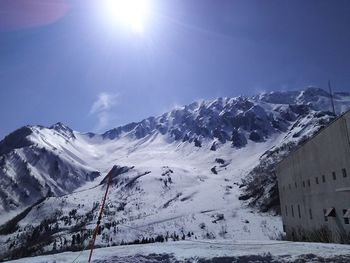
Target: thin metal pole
point(331, 93)
point(101, 212)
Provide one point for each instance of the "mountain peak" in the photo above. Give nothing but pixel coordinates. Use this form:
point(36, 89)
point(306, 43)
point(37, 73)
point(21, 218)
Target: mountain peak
point(63, 129)
point(58, 125)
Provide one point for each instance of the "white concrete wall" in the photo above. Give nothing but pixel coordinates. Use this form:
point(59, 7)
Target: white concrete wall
point(327, 152)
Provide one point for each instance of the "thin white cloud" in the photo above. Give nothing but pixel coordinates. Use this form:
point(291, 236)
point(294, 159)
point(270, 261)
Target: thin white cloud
point(104, 102)
point(102, 109)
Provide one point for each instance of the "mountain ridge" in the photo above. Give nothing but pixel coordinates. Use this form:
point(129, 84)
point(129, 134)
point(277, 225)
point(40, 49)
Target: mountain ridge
point(205, 168)
point(236, 120)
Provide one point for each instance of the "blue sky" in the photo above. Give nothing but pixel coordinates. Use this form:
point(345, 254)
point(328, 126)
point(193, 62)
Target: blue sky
point(65, 62)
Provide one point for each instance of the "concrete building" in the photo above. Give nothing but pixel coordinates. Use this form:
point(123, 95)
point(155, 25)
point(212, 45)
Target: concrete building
point(314, 186)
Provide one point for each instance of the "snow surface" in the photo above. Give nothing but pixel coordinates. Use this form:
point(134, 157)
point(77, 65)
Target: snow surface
point(288, 251)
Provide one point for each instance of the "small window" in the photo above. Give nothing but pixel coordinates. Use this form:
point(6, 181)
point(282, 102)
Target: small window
point(304, 184)
point(299, 214)
point(296, 185)
point(286, 210)
point(284, 228)
point(329, 212)
point(324, 213)
point(292, 210)
point(323, 178)
point(289, 186)
point(344, 172)
point(316, 180)
point(310, 213)
point(346, 219)
point(308, 183)
point(284, 188)
point(334, 176)
point(347, 213)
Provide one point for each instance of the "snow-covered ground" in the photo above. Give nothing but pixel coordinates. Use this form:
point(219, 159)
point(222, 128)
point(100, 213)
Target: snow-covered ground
point(190, 251)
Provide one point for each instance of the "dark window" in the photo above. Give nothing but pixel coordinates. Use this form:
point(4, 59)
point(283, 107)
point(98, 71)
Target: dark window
point(346, 219)
point(316, 180)
point(344, 172)
point(292, 210)
point(308, 183)
point(310, 213)
point(299, 214)
point(284, 228)
point(323, 178)
point(324, 213)
point(304, 184)
point(334, 176)
point(289, 186)
point(330, 212)
point(296, 185)
point(283, 188)
point(286, 211)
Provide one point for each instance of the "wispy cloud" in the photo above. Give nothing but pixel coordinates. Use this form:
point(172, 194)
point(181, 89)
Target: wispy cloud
point(102, 109)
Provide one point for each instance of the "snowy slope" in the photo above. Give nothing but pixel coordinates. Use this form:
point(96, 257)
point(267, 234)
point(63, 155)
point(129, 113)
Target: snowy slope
point(181, 173)
point(179, 195)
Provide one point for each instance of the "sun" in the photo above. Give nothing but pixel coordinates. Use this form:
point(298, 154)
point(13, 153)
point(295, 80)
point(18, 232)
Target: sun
point(129, 13)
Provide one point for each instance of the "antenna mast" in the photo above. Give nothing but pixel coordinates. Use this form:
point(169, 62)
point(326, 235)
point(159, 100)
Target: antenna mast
point(331, 94)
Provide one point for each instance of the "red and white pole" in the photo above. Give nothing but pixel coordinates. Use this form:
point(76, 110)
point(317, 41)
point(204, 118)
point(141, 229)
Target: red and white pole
point(101, 212)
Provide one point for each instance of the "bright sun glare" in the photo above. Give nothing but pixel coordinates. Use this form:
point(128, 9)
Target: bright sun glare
point(130, 13)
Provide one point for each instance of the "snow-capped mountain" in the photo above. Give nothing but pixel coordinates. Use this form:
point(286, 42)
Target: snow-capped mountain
point(186, 174)
point(36, 162)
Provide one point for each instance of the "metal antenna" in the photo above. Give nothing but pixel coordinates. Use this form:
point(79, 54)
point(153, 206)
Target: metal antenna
point(331, 94)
